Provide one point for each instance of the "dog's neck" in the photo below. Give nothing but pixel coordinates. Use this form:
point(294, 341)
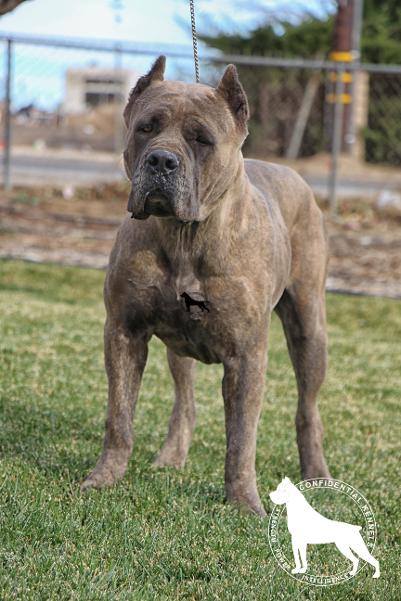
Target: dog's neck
point(199, 249)
point(226, 220)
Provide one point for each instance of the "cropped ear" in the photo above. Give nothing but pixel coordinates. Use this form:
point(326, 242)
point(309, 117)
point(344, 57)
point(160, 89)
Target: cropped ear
point(156, 73)
point(232, 91)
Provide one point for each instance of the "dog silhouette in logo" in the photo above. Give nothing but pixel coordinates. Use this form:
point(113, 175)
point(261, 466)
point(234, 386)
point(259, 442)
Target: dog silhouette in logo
point(191, 301)
point(308, 527)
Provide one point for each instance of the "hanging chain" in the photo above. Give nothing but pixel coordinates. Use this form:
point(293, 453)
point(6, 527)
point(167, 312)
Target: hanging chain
point(194, 39)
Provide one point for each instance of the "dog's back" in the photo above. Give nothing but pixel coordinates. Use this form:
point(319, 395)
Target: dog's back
point(283, 189)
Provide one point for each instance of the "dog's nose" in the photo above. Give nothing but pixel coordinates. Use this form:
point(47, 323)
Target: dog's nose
point(162, 161)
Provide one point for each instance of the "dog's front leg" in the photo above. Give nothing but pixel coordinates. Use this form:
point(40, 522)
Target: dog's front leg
point(243, 386)
point(125, 359)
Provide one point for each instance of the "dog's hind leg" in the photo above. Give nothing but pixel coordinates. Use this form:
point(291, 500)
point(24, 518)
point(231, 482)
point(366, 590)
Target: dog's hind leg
point(243, 386)
point(302, 312)
point(175, 449)
point(344, 548)
point(358, 546)
point(304, 326)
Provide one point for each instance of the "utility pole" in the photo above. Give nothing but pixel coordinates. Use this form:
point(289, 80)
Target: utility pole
point(343, 28)
point(7, 117)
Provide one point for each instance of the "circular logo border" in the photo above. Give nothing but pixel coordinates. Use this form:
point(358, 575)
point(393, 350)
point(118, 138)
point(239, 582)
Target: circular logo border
point(342, 576)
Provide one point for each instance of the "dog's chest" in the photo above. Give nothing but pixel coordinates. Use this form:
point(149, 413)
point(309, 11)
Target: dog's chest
point(185, 318)
point(197, 311)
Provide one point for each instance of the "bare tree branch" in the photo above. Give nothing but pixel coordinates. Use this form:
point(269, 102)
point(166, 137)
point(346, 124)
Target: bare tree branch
point(8, 5)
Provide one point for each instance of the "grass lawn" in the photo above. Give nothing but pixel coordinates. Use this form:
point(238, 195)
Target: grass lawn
point(163, 534)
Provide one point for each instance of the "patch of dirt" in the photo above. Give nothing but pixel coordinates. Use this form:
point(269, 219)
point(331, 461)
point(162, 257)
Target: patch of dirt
point(78, 227)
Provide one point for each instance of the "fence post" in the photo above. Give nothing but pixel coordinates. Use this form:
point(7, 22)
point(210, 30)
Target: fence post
point(7, 118)
point(337, 136)
point(357, 20)
point(118, 104)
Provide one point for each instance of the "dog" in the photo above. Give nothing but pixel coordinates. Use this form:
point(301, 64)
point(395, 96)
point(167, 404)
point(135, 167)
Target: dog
point(309, 527)
point(245, 234)
point(191, 301)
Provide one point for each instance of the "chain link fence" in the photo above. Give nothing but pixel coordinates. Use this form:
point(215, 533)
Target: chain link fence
point(61, 112)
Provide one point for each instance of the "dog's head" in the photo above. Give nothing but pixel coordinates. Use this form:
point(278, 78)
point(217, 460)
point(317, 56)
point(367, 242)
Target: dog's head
point(183, 143)
point(283, 492)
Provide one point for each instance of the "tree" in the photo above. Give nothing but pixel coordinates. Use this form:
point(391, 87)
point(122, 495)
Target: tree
point(311, 35)
point(7, 6)
point(275, 94)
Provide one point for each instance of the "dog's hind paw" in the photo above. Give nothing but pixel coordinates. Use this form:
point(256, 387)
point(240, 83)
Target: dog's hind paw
point(164, 460)
point(102, 477)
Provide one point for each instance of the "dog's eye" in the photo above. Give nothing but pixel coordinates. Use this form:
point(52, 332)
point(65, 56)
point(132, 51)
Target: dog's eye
point(146, 128)
point(201, 139)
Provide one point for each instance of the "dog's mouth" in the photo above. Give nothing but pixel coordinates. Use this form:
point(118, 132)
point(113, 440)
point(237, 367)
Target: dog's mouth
point(158, 203)
point(154, 202)
point(161, 197)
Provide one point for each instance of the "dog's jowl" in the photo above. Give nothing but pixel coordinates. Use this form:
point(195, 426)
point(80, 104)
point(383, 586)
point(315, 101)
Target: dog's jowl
point(245, 235)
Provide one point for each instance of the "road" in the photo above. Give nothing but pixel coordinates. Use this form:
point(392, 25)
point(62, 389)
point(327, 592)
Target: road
point(53, 169)
point(63, 169)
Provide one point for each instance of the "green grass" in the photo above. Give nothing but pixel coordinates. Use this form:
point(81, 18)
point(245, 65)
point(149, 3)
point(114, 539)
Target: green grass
point(165, 534)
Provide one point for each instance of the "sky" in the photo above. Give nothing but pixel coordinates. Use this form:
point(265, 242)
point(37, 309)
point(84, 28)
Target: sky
point(39, 72)
point(141, 20)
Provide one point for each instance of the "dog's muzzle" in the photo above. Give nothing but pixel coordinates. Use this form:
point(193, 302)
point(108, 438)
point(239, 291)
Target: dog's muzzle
point(159, 183)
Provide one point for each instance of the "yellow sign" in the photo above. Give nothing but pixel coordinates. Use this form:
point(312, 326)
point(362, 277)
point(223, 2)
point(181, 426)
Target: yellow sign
point(344, 98)
point(341, 57)
point(345, 77)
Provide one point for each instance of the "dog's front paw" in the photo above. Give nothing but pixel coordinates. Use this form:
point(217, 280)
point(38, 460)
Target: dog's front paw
point(248, 503)
point(296, 571)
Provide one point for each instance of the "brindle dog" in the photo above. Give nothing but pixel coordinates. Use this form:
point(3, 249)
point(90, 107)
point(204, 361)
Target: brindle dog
point(244, 234)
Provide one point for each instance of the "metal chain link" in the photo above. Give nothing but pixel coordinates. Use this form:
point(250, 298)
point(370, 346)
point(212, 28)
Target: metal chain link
point(194, 40)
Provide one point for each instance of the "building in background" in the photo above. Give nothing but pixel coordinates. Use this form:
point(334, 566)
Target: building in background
point(89, 87)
